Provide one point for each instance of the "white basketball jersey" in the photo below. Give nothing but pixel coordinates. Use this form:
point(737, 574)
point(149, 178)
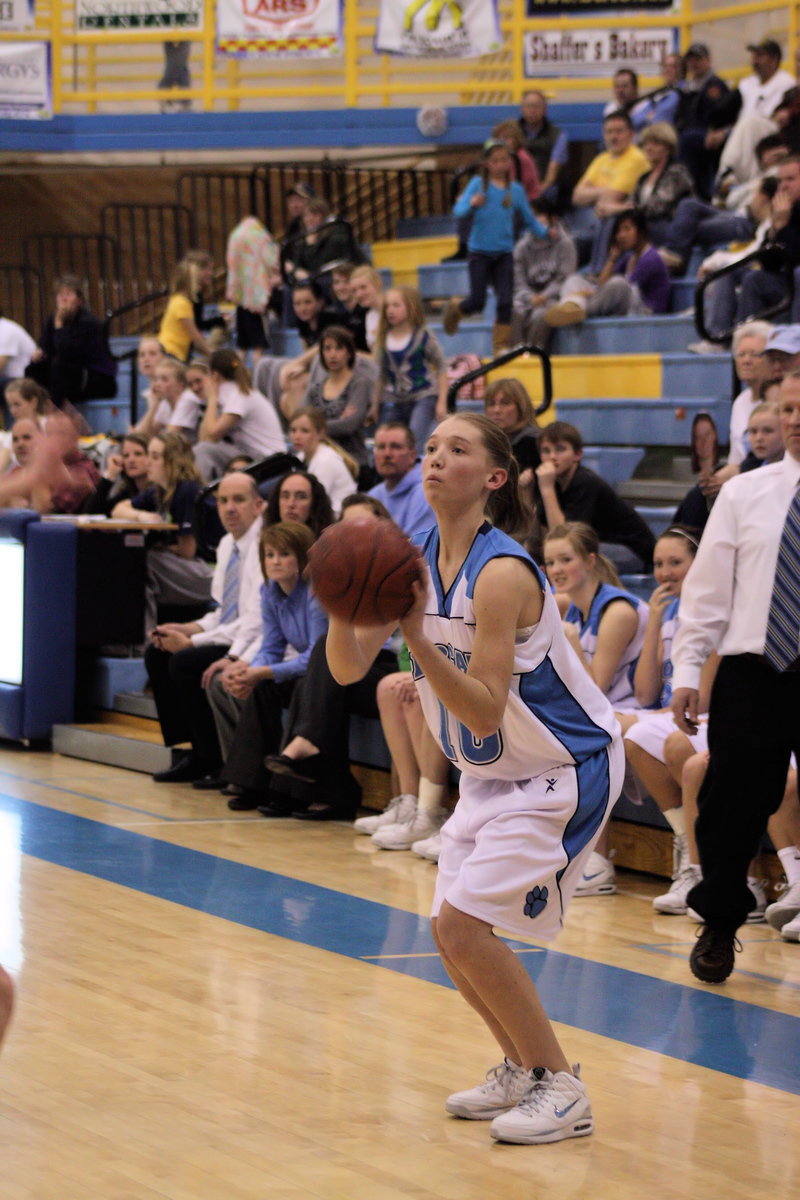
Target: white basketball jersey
point(620, 694)
point(555, 714)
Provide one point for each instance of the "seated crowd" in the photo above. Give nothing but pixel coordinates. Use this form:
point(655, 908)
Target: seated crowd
point(239, 474)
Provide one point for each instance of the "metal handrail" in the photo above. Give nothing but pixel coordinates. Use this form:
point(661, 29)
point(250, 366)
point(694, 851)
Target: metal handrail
point(150, 298)
point(508, 356)
point(765, 314)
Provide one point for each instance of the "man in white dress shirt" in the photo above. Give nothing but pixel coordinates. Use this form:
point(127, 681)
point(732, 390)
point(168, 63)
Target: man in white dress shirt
point(184, 658)
point(742, 598)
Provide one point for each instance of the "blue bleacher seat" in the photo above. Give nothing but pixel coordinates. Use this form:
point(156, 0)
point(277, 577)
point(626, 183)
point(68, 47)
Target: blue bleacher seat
point(665, 422)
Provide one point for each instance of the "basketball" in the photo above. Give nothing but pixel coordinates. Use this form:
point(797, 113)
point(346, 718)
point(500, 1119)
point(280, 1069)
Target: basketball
point(362, 571)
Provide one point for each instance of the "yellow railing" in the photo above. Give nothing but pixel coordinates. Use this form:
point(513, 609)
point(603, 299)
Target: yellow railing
point(98, 71)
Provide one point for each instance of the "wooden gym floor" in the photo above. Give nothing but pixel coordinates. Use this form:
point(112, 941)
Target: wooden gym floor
point(217, 1007)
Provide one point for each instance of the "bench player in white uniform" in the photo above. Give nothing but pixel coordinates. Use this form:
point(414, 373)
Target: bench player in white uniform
point(541, 760)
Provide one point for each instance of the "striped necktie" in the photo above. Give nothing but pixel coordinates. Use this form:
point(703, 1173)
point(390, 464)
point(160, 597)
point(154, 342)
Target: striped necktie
point(782, 645)
point(230, 589)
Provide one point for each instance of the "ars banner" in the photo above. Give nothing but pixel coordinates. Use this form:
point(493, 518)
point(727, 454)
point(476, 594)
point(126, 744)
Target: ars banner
point(438, 28)
point(286, 28)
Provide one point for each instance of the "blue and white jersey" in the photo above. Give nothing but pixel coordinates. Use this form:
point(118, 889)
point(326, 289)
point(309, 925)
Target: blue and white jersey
point(555, 714)
point(620, 693)
point(669, 627)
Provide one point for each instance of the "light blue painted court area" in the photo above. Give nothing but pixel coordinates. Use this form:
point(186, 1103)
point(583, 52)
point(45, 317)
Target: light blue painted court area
point(705, 1028)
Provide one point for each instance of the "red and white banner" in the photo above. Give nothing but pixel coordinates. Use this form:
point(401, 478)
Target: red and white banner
point(286, 28)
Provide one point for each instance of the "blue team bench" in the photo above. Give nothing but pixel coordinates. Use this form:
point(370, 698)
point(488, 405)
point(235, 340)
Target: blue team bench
point(643, 421)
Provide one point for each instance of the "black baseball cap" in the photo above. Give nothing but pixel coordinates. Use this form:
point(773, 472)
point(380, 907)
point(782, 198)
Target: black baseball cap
point(301, 189)
point(698, 50)
point(768, 46)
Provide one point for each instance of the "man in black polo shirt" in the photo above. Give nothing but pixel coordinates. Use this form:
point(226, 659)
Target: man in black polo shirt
point(568, 491)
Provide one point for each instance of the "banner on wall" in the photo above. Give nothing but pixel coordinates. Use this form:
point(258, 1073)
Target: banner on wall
point(16, 15)
point(119, 16)
point(438, 28)
point(283, 28)
point(25, 80)
point(596, 52)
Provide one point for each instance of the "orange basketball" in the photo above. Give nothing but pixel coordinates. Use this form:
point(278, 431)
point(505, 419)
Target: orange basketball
point(362, 571)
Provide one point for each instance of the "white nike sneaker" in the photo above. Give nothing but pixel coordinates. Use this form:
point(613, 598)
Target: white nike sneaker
point(673, 902)
point(785, 908)
point(418, 825)
point(790, 932)
point(505, 1086)
point(397, 809)
point(555, 1107)
point(599, 878)
point(429, 848)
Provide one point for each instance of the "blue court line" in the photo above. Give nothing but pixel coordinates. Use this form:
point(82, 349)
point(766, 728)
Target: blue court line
point(708, 1029)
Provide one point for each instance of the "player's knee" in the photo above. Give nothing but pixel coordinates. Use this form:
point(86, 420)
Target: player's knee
point(675, 748)
point(455, 933)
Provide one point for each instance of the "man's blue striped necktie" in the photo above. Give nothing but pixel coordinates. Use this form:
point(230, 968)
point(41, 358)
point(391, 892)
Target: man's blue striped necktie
point(782, 645)
point(230, 589)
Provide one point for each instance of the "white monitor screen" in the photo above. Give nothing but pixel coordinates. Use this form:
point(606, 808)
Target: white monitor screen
point(12, 575)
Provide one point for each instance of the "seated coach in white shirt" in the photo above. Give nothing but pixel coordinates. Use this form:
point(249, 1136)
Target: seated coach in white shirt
point(742, 598)
point(182, 659)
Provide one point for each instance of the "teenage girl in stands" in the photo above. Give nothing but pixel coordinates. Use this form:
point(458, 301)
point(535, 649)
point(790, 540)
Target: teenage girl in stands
point(172, 404)
point(494, 201)
point(148, 355)
point(175, 574)
point(367, 288)
point(412, 369)
point(26, 398)
point(313, 318)
point(237, 420)
point(178, 332)
point(605, 626)
point(508, 404)
point(332, 466)
point(125, 475)
point(341, 385)
point(298, 496)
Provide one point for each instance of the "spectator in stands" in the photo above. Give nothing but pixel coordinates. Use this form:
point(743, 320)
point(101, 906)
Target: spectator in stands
point(494, 200)
point(744, 116)
point(178, 333)
point(749, 341)
point(746, 293)
point(332, 466)
point(176, 75)
point(327, 240)
point(633, 281)
point(412, 370)
point(367, 288)
point(172, 405)
point(247, 698)
point(252, 259)
point(658, 193)
point(700, 94)
point(508, 404)
point(78, 478)
point(312, 319)
point(125, 474)
point(148, 355)
point(198, 377)
point(183, 658)
point(661, 105)
point(605, 626)
point(544, 141)
point(568, 491)
point(297, 198)
point(625, 85)
point(17, 348)
point(299, 496)
point(237, 420)
point(609, 180)
point(400, 488)
point(175, 573)
point(27, 398)
point(72, 359)
point(341, 385)
point(349, 312)
point(541, 267)
point(523, 168)
point(24, 436)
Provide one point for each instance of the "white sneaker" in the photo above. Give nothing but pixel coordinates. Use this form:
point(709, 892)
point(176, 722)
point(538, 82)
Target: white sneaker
point(429, 848)
point(790, 932)
point(397, 809)
point(785, 908)
point(505, 1086)
point(598, 877)
point(556, 1107)
point(673, 902)
point(756, 915)
point(403, 834)
point(706, 347)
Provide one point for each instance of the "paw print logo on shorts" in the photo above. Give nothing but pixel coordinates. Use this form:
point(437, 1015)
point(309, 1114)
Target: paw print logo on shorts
point(535, 901)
